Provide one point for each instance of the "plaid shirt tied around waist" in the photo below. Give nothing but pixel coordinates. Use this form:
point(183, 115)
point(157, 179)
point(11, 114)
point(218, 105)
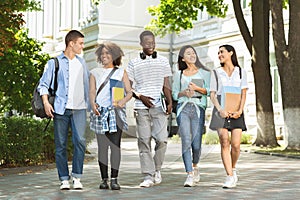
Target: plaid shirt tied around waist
point(106, 121)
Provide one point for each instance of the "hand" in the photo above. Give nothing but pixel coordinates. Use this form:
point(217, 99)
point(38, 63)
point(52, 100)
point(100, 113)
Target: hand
point(189, 93)
point(193, 86)
point(146, 101)
point(224, 114)
point(95, 109)
point(169, 108)
point(49, 109)
point(235, 115)
point(119, 104)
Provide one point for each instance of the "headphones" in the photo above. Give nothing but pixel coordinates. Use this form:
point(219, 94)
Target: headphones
point(143, 55)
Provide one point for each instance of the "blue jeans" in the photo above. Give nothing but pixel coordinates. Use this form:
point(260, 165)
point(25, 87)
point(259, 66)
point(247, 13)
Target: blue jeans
point(76, 119)
point(190, 131)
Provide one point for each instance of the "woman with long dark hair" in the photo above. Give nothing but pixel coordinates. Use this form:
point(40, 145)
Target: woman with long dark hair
point(191, 88)
point(228, 89)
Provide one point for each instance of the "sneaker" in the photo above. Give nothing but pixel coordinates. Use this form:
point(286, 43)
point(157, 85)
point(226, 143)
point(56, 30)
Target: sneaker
point(189, 182)
point(157, 178)
point(65, 185)
point(147, 183)
point(76, 184)
point(229, 182)
point(234, 171)
point(196, 174)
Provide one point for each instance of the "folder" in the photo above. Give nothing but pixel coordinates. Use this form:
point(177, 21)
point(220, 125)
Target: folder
point(163, 102)
point(117, 94)
point(199, 83)
point(117, 90)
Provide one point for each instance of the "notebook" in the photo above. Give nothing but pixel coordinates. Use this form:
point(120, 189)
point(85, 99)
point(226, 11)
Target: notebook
point(117, 90)
point(199, 83)
point(163, 102)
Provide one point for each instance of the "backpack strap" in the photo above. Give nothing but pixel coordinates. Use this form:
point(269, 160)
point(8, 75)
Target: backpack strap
point(55, 77)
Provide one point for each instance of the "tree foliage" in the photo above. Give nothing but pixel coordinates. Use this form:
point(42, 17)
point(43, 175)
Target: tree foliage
point(11, 19)
point(175, 16)
point(21, 67)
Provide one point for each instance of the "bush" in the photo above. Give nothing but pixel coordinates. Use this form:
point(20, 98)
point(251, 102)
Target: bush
point(24, 142)
point(210, 138)
point(213, 138)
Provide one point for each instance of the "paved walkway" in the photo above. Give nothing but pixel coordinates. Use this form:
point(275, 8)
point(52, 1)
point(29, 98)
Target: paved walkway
point(260, 177)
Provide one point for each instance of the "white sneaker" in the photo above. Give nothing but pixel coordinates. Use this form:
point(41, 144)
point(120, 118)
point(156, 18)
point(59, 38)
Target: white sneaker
point(147, 183)
point(196, 174)
point(189, 182)
point(234, 171)
point(229, 182)
point(65, 185)
point(76, 184)
point(157, 178)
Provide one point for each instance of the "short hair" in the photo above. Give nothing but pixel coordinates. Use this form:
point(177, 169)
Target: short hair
point(114, 50)
point(73, 35)
point(145, 33)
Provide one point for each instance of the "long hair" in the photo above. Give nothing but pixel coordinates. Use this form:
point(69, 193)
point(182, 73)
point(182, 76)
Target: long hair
point(114, 50)
point(234, 59)
point(182, 65)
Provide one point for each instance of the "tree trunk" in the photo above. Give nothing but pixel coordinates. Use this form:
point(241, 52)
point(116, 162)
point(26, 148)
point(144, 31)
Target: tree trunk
point(261, 68)
point(288, 61)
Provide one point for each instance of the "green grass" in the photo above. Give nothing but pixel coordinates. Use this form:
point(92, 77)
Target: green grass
point(280, 150)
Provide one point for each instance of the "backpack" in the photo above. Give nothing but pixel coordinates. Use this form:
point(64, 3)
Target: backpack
point(37, 102)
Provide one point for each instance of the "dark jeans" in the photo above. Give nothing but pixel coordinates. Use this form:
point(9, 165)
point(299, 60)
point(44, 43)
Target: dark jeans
point(112, 140)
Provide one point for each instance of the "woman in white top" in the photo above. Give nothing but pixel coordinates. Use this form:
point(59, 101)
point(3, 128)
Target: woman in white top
point(108, 117)
point(229, 79)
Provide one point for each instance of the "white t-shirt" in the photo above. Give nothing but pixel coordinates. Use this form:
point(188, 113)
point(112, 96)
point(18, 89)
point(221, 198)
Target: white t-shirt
point(224, 80)
point(76, 88)
point(100, 74)
point(148, 77)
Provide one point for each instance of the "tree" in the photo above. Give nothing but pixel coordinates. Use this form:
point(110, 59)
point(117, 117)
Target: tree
point(21, 68)
point(11, 20)
point(288, 61)
point(257, 45)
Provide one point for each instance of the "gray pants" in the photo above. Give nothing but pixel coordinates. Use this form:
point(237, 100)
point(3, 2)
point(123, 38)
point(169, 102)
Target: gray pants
point(151, 123)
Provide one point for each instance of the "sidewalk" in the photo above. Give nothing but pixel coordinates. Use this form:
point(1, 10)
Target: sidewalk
point(260, 177)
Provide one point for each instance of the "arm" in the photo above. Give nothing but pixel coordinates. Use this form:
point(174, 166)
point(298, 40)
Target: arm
point(194, 87)
point(127, 87)
point(168, 93)
point(92, 94)
point(214, 100)
point(47, 106)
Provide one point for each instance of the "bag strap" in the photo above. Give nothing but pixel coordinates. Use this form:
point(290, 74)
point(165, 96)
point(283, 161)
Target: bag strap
point(106, 80)
point(180, 79)
point(216, 79)
point(56, 72)
point(55, 76)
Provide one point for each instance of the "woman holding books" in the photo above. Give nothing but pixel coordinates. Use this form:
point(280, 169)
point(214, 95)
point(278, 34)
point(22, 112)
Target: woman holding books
point(228, 88)
point(191, 88)
point(108, 117)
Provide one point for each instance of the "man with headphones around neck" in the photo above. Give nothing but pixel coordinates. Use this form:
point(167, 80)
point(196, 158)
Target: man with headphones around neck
point(149, 75)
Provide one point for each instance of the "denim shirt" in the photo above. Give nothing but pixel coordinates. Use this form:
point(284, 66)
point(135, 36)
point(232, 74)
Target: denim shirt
point(61, 95)
point(185, 80)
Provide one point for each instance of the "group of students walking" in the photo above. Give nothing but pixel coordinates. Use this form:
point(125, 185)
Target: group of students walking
point(145, 78)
